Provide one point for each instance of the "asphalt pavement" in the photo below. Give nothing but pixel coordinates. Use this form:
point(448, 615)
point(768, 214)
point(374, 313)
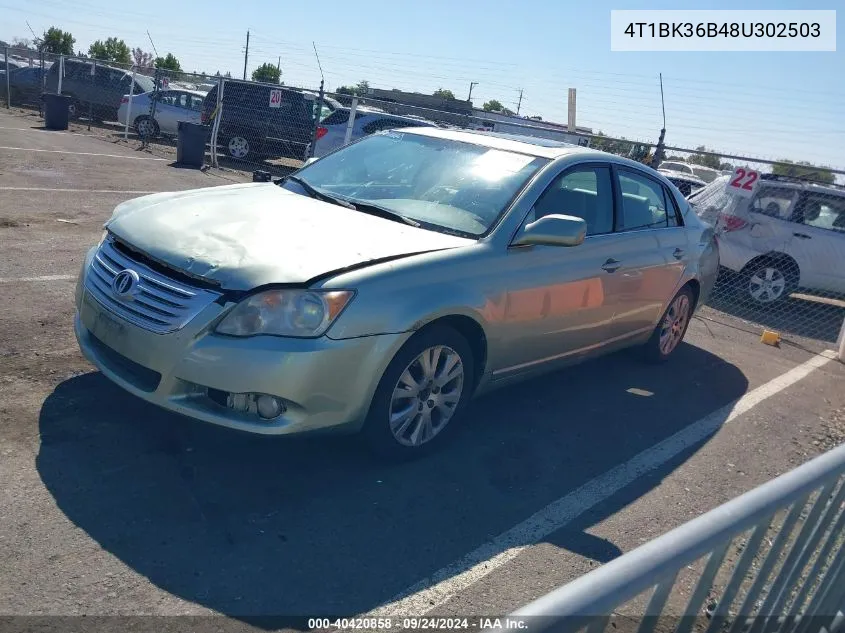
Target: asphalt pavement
point(109, 506)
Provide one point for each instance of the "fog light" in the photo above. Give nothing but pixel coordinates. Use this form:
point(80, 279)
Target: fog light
point(269, 407)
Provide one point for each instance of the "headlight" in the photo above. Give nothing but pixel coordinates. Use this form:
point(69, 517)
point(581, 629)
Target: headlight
point(103, 237)
point(284, 312)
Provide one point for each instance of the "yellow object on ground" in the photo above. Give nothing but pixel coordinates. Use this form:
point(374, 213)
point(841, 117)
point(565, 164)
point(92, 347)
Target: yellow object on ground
point(770, 338)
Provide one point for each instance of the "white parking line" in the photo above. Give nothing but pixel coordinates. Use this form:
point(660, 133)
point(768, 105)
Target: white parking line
point(12, 280)
point(432, 592)
point(61, 151)
point(74, 190)
point(29, 129)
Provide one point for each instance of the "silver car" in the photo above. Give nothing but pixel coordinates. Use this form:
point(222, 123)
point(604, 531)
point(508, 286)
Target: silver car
point(382, 286)
point(171, 106)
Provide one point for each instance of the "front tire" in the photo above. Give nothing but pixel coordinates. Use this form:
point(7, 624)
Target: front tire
point(421, 395)
point(670, 331)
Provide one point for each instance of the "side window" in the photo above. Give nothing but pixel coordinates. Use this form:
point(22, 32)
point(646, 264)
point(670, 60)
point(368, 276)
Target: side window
point(822, 212)
point(774, 202)
point(673, 213)
point(643, 202)
point(195, 102)
point(585, 192)
point(167, 98)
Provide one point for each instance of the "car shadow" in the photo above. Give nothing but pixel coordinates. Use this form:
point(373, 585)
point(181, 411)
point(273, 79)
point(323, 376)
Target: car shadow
point(811, 318)
point(258, 526)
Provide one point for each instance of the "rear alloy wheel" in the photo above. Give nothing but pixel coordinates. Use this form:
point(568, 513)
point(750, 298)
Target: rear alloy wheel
point(146, 127)
point(421, 393)
point(770, 281)
point(672, 327)
point(238, 147)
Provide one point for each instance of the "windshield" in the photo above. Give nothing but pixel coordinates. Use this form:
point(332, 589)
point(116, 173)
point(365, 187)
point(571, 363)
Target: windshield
point(445, 185)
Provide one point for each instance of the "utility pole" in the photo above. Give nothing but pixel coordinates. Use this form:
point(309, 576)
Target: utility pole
point(519, 105)
point(659, 151)
point(246, 53)
point(471, 84)
point(279, 66)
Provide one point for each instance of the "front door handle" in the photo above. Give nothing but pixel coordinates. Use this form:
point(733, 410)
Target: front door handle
point(678, 253)
point(803, 236)
point(611, 265)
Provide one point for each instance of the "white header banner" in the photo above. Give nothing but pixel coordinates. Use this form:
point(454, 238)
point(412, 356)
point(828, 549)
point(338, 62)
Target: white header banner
point(716, 30)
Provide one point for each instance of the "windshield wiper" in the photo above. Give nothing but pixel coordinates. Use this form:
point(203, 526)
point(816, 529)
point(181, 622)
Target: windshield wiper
point(319, 195)
point(383, 212)
point(358, 205)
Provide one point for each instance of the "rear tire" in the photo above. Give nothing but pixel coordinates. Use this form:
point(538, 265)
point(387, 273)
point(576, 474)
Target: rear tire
point(671, 329)
point(421, 395)
point(767, 281)
point(146, 127)
point(239, 148)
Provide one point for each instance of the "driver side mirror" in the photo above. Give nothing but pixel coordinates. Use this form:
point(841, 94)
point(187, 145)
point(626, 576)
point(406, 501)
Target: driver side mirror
point(553, 230)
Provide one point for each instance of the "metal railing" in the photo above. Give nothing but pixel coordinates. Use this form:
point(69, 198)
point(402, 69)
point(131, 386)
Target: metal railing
point(788, 574)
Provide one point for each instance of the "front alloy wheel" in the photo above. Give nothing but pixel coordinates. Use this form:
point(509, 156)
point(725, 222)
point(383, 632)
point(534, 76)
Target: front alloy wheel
point(419, 398)
point(238, 147)
point(426, 396)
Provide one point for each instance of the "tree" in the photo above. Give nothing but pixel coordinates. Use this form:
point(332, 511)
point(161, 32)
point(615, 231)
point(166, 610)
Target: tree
point(141, 58)
point(445, 94)
point(492, 106)
point(268, 73)
point(803, 169)
point(57, 42)
point(726, 167)
point(705, 160)
point(112, 50)
point(20, 42)
point(168, 63)
point(362, 87)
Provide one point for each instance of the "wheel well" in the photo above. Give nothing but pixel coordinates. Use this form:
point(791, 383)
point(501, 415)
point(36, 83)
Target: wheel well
point(774, 257)
point(472, 331)
point(695, 286)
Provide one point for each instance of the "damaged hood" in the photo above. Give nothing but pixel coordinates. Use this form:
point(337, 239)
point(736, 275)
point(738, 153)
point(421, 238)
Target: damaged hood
point(247, 235)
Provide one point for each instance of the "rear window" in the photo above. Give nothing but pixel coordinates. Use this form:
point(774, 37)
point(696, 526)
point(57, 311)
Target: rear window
point(145, 83)
point(337, 117)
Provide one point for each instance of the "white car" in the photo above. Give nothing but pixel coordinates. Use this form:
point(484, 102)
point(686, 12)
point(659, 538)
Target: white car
point(675, 166)
point(332, 130)
point(171, 106)
point(707, 174)
point(790, 234)
point(685, 183)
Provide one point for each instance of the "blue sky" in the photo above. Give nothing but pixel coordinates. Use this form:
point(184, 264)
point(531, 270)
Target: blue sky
point(766, 105)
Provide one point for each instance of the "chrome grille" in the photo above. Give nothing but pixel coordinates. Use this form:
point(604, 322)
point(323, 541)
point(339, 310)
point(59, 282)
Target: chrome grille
point(160, 304)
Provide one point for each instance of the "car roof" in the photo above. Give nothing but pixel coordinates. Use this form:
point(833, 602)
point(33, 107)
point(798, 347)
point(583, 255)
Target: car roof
point(532, 145)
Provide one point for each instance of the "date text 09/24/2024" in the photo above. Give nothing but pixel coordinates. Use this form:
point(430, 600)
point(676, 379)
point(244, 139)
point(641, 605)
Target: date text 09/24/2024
point(418, 624)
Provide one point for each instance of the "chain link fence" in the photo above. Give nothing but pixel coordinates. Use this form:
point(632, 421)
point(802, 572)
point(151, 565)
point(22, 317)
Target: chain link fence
point(782, 246)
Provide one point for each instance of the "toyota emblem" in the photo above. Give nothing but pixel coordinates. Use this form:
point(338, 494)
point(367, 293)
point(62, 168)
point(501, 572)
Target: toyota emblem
point(125, 283)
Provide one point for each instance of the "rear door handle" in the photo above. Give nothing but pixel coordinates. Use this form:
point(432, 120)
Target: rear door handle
point(611, 265)
point(678, 253)
point(803, 236)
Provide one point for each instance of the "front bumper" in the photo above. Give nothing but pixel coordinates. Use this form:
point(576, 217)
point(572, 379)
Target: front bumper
point(324, 383)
